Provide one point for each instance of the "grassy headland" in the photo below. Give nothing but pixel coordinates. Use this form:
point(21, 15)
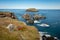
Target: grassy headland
point(27, 33)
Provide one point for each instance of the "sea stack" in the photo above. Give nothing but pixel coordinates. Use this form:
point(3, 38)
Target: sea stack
point(36, 17)
point(26, 16)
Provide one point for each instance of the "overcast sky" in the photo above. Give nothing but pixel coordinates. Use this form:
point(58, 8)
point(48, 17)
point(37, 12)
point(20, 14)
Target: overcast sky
point(24, 4)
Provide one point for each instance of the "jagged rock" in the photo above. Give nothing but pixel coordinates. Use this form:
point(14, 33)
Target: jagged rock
point(30, 19)
point(26, 16)
point(32, 10)
point(7, 14)
point(27, 33)
point(38, 17)
point(49, 37)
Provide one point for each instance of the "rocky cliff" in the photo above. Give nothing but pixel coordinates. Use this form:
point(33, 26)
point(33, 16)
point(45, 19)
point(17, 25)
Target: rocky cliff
point(26, 33)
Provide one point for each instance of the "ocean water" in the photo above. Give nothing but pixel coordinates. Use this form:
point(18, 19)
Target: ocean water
point(52, 18)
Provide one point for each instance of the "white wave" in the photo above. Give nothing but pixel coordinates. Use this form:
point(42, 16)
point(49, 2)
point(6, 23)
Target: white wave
point(36, 21)
point(55, 38)
point(44, 33)
point(47, 35)
point(44, 25)
point(41, 34)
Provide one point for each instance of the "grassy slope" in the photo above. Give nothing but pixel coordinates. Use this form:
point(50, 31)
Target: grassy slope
point(28, 33)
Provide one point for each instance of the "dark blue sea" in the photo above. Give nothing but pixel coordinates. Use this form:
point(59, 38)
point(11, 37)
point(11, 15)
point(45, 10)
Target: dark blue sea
point(52, 18)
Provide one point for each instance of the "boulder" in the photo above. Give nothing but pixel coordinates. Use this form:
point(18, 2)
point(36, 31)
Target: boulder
point(38, 17)
point(26, 16)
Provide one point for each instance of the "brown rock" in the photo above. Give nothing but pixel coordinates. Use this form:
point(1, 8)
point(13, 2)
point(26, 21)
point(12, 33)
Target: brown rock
point(32, 10)
point(26, 16)
point(38, 17)
point(7, 14)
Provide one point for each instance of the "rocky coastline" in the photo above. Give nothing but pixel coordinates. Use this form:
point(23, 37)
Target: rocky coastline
point(20, 30)
point(24, 32)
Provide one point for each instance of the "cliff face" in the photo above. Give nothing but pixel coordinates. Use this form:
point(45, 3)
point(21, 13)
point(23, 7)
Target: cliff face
point(26, 33)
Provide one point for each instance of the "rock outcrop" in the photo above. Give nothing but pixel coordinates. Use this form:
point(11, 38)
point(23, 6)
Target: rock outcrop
point(27, 33)
point(44, 37)
point(26, 16)
point(32, 10)
point(38, 17)
point(30, 19)
point(7, 14)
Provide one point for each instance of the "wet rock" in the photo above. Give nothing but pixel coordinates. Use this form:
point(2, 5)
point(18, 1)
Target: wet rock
point(32, 10)
point(38, 17)
point(44, 37)
point(26, 16)
point(50, 38)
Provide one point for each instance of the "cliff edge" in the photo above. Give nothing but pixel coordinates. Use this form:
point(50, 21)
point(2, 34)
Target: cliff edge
point(25, 33)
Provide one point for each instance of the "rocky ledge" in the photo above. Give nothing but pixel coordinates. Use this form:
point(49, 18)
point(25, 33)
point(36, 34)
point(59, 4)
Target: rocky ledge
point(7, 14)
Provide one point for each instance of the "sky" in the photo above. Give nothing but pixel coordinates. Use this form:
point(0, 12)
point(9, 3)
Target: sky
point(24, 4)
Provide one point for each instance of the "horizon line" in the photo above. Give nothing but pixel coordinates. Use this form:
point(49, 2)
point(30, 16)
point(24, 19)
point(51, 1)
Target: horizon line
point(23, 8)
